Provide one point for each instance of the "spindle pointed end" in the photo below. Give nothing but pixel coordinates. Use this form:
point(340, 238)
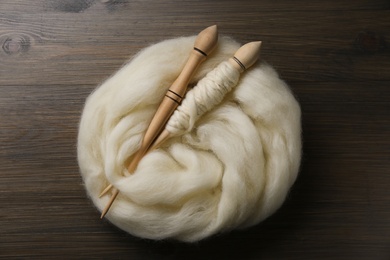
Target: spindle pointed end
point(248, 54)
point(257, 46)
point(207, 39)
point(105, 190)
point(106, 209)
point(103, 214)
point(213, 29)
point(108, 206)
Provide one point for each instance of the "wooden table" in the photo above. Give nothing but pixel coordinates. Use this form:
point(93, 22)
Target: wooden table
point(334, 55)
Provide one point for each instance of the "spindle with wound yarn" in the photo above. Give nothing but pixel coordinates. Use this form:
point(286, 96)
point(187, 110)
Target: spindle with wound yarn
point(209, 91)
point(204, 45)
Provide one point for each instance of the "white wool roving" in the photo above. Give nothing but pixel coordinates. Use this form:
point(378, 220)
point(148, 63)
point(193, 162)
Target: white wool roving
point(229, 168)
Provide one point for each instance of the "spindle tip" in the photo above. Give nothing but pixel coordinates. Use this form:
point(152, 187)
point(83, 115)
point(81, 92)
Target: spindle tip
point(248, 54)
point(207, 39)
point(113, 196)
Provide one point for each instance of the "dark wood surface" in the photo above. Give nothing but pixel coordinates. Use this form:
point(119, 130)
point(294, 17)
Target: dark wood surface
point(334, 55)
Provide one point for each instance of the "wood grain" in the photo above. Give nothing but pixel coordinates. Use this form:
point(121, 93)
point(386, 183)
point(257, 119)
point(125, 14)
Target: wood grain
point(333, 54)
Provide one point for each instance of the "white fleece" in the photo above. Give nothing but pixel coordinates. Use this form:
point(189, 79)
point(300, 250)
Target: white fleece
point(231, 168)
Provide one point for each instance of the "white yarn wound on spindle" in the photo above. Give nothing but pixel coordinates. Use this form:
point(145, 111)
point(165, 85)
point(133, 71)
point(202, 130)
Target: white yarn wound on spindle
point(228, 169)
point(208, 93)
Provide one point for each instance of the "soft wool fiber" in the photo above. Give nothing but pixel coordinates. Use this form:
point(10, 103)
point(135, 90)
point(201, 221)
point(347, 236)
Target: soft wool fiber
point(230, 168)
